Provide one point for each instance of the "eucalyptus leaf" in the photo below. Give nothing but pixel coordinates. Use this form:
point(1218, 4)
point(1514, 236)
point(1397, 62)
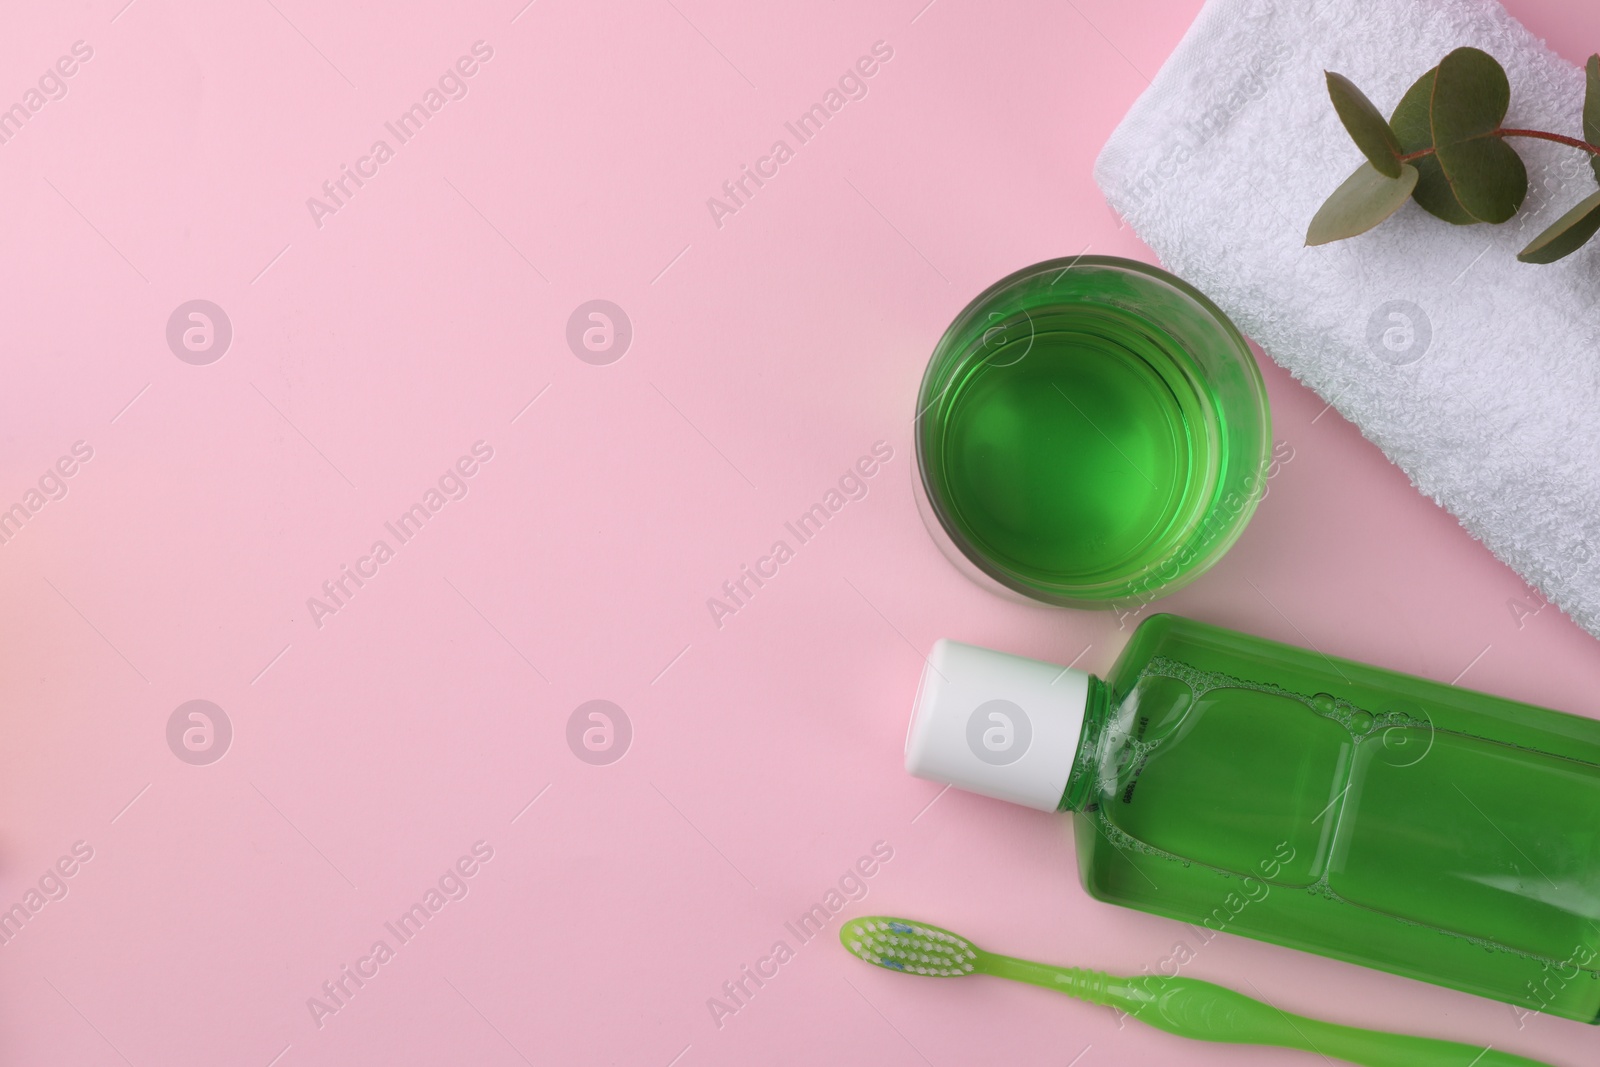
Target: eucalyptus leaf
point(1567, 234)
point(1487, 176)
point(1365, 124)
point(1470, 97)
point(1591, 109)
point(1414, 129)
point(1365, 199)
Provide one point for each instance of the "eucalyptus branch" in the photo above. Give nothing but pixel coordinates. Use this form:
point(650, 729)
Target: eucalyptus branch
point(1444, 147)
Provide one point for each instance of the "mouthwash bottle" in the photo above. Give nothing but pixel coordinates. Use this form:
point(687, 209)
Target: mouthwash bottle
point(1264, 790)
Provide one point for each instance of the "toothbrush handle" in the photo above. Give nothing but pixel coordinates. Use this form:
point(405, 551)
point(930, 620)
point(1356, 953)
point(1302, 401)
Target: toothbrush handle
point(1192, 1008)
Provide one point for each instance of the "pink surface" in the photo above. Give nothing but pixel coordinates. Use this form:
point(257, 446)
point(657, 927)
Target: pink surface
point(376, 746)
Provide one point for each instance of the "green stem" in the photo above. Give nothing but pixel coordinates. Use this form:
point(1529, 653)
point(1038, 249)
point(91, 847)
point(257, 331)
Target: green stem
point(1570, 142)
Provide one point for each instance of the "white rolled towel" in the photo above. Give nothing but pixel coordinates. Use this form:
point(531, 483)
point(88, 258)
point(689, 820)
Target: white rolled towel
point(1478, 375)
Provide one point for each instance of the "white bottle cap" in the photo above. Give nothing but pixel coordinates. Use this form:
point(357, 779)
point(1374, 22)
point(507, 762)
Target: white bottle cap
point(1000, 725)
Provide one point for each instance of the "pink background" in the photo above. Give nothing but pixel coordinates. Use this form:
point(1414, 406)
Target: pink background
point(372, 751)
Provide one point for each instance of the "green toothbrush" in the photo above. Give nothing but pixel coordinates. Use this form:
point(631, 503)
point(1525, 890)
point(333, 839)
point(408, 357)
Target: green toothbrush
point(1183, 1006)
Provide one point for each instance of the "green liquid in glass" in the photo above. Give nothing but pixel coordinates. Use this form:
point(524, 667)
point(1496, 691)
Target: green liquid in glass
point(1077, 447)
point(1091, 432)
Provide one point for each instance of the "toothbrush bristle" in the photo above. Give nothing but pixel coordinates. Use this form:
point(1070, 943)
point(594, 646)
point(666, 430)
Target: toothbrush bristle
point(909, 947)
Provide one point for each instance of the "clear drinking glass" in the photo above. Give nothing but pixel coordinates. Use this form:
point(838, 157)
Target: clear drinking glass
point(1090, 432)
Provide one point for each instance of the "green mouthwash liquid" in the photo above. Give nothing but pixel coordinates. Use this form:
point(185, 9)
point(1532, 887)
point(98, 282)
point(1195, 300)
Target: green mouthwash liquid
point(1091, 431)
point(1254, 788)
point(1076, 442)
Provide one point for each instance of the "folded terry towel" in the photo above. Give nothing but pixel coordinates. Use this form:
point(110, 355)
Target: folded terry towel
point(1478, 375)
